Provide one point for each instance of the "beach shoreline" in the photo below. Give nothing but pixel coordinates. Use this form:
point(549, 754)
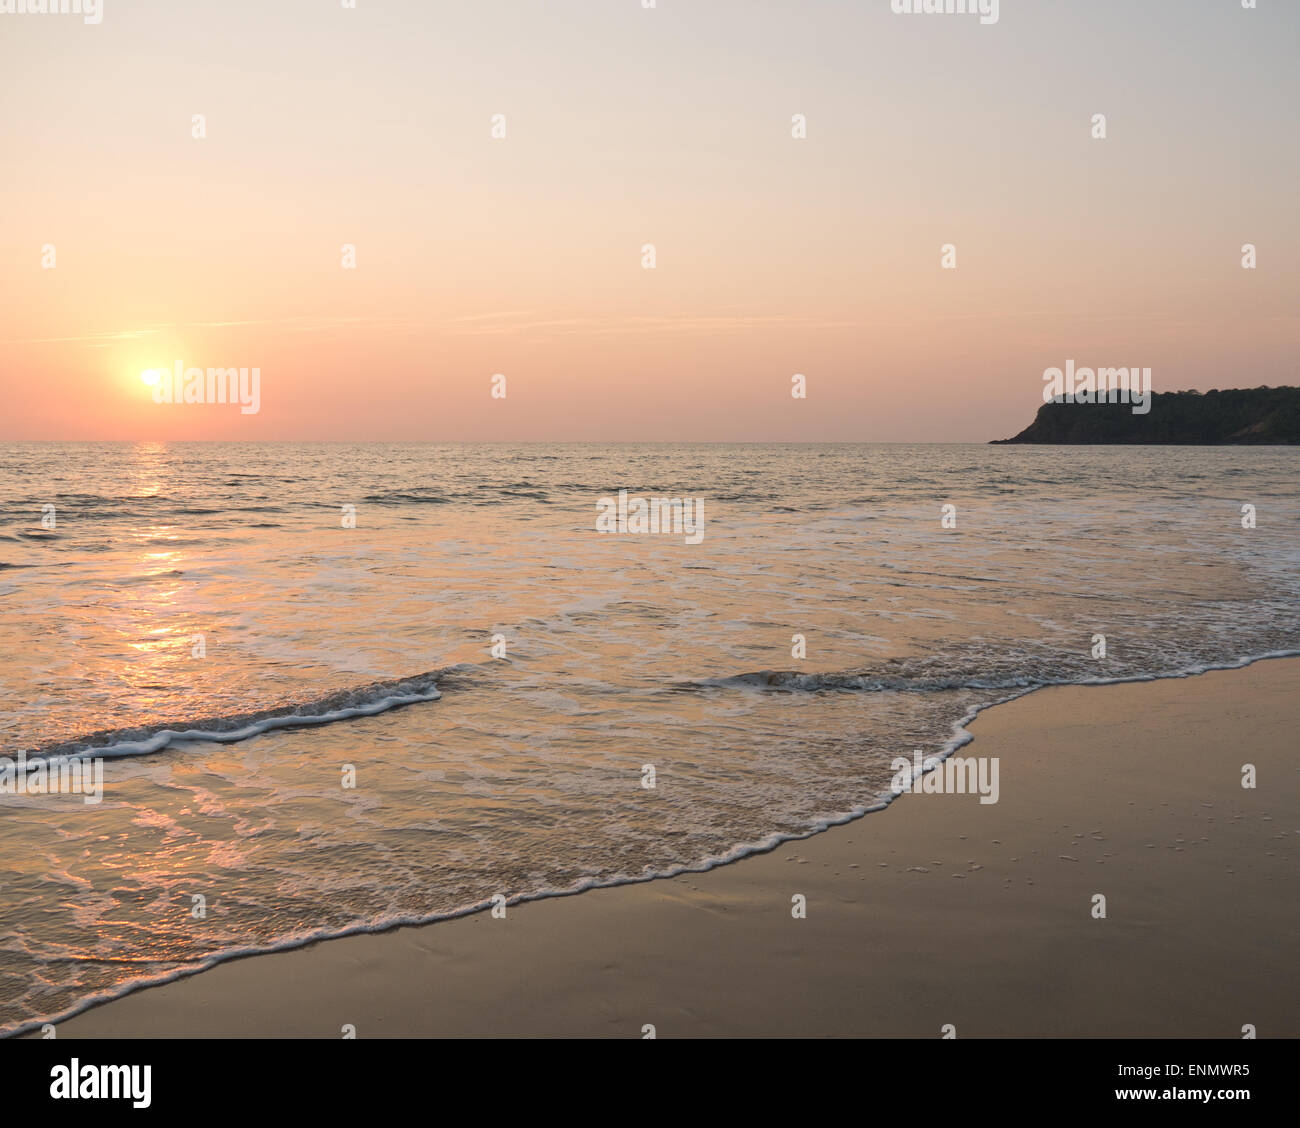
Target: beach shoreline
point(938, 912)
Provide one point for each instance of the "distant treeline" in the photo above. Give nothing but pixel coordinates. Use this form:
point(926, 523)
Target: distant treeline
point(1237, 415)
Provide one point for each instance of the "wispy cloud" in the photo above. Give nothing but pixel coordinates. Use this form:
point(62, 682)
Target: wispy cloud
point(98, 340)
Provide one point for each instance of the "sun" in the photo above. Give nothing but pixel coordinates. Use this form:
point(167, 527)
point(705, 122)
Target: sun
point(151, 376)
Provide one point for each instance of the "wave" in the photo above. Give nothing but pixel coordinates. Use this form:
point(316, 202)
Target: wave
point(794, 681)
point(401, 497)
point(379, 697)
point(405, 920)
point(960, 736)
point(342, 705)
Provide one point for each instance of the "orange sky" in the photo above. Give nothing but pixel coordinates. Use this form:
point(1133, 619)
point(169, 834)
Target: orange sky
point(628, 126)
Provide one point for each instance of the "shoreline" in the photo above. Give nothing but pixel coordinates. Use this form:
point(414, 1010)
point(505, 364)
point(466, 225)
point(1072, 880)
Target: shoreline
point(317, 981)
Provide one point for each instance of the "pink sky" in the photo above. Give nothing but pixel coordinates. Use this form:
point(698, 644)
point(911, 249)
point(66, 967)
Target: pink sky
point(627, 126)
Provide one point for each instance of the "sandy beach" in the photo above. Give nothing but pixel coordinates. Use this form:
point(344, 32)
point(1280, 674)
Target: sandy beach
point(939, 910)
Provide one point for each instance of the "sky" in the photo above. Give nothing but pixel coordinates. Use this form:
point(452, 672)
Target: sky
point(522, 255)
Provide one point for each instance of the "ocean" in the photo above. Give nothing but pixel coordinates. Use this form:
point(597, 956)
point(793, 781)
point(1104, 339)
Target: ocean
point(338, 687)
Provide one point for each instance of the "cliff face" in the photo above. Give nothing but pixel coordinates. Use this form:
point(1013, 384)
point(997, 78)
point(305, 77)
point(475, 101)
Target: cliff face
point(1243, 415)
